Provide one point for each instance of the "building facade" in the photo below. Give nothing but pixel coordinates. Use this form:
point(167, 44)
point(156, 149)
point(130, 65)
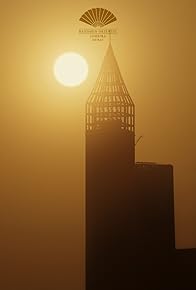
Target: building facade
point(130, 236)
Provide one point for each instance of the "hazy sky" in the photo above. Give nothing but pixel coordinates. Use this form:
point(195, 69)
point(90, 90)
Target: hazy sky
point(42, 126)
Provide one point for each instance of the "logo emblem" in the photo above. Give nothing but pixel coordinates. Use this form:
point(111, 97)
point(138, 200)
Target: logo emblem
point(98, 17)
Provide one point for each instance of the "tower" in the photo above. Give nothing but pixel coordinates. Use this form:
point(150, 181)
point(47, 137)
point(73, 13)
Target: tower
point(129, 205)
point(110, 105)
point(110, 157)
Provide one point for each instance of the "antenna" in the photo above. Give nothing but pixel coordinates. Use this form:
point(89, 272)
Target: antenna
point(138, 140)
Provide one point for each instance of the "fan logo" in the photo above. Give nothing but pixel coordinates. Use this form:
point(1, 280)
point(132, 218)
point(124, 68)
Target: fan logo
point(98, 18)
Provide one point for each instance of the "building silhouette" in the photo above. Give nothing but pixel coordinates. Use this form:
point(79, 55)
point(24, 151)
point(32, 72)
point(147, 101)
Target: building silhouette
point(130, 233)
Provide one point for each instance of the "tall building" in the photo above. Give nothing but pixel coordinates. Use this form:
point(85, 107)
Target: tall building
point(110, 156)
point(130, 239)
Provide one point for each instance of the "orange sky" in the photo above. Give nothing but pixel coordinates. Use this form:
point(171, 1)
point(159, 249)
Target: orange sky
point(42, 125)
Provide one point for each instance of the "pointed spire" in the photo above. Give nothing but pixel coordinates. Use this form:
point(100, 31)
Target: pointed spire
point(110, 99)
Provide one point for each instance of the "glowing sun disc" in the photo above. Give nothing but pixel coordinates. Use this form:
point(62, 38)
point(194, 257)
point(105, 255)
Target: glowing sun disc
point(70, 69)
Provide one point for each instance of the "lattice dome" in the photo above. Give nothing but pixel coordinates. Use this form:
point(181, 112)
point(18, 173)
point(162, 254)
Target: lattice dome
point(110, 99)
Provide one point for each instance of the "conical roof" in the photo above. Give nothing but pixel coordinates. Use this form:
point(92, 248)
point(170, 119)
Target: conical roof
point(110, 99)
point(110, 86)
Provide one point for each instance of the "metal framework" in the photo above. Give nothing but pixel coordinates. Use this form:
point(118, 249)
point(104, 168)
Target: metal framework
point(110, 99)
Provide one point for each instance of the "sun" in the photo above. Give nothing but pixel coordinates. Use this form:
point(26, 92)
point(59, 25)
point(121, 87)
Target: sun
point(71, 69)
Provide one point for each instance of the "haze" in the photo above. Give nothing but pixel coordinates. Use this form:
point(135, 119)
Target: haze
point(42, 126)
